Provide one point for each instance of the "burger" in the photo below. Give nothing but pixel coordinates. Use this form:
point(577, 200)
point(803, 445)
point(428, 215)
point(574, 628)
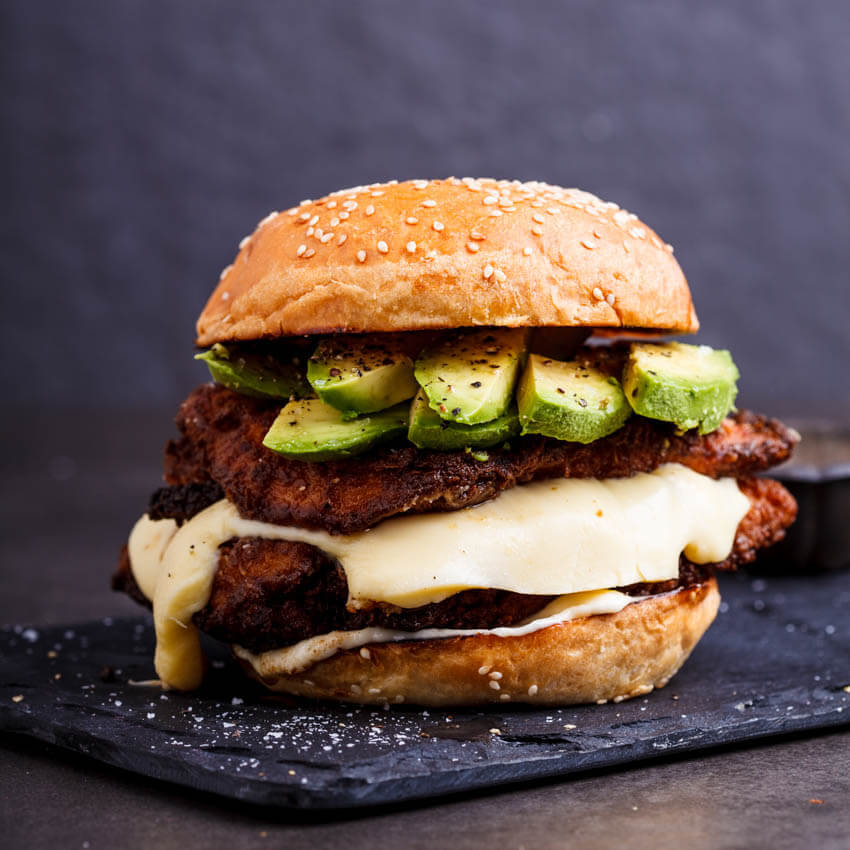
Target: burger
point(450, 456)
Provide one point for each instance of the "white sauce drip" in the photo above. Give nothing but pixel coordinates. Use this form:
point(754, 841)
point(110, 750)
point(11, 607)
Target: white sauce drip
point(306, 653)
point(555, 537)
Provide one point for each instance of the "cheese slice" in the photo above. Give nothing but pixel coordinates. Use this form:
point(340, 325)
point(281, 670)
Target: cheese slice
point(553, 537)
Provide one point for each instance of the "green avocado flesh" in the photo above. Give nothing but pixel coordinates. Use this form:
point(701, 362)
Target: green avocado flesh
point(469, 377)
point(568, 401)
point(361, 375)
point(253, 373)
point(429, 431)
point(692, 386)
point(312, 430)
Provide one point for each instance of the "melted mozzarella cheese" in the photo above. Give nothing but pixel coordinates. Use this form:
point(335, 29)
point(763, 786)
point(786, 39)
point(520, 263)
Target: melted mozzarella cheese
point(554, 537)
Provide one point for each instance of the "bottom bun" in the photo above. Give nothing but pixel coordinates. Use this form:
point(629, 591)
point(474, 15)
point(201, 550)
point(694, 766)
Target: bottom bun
point(589, 659)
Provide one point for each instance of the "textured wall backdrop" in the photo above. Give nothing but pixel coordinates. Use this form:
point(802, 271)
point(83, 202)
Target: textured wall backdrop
point(142, 138)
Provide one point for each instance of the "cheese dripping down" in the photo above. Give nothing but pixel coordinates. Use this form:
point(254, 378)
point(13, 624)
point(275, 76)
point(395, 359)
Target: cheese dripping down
point(553, 537)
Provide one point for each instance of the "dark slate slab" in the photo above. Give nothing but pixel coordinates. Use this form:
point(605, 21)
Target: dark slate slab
point(777, 661)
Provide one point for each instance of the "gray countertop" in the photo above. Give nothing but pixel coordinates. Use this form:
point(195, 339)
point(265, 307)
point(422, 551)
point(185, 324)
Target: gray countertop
point(72, 482)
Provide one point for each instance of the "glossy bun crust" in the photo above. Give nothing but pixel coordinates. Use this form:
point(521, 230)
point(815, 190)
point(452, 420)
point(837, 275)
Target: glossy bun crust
point(591, 659)
point(446, 254)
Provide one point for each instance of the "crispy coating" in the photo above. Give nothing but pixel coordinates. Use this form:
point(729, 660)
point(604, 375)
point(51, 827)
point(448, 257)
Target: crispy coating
point(222, 433)
point(272, 593)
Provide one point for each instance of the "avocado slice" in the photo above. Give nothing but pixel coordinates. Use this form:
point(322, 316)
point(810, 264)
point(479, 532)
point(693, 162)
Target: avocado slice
point(429, 431)
point(469, 377)
point(690, 385)
point(569, 401)
point(361, 374)
point(255, 373)
point(312, 430)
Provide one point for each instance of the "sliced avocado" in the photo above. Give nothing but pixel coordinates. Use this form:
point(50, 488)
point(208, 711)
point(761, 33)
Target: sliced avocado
point(690, 385)
point(361, 374)
point(255, 372)
point(569, 401)
point(469, 377)
point(429, 431)
point(312, 430)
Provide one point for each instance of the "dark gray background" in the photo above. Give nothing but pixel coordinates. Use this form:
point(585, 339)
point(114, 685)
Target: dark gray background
point(142, 140)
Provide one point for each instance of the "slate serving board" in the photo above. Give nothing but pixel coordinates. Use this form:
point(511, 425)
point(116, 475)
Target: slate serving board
point(776, 661)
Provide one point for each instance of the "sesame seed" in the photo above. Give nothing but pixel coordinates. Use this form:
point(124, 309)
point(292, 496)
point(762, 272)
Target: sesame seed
point(429, 203)
point(597, 293)
point(483, 671)
point(361, 256)
point(411, 247)
point(526, 251)
point(326, 237)
point(224, 272)
point(374, 690)
point(331, 205)
point(488, 271)
point(399, 698)
point(383, 247)
point(438, 226)
point(538, 218)
point(344, 215)
point(669, 247)
point(532, 691)
point(376, 194)
point(305, 216)
point(334, 221)
point(610, 298)
point(364, 653)
point(309, 252)
point(301, 250)
point(225, 296)
point(310, 231)
point(597, 234)
point(420, 184)
point(412, 220)
point(490, 199)
point(370, 210)
point(495, 213)
point(349, 205)
point(495, 685)
point(272, 215)
point(474, 234)
point(500, 275)
point(356, 689)
point(552, 210)
point(626, 248)
point(536, 231)
point(587, 244)
point(637, 232)
point(319, 233)
point(504, 697)
point(244, 242)
point(292, 211)
point(472, 247)
point(314, 220)
point(342, 238)
point(495, 675)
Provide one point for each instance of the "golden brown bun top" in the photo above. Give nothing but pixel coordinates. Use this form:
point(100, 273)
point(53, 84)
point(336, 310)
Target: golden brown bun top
point(445, 254)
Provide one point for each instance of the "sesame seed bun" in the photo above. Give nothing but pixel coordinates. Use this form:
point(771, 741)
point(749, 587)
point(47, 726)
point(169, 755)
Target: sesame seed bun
point(589, 659)
point(444, 254)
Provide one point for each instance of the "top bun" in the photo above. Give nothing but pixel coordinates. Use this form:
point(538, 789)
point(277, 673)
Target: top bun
point(446, 254)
